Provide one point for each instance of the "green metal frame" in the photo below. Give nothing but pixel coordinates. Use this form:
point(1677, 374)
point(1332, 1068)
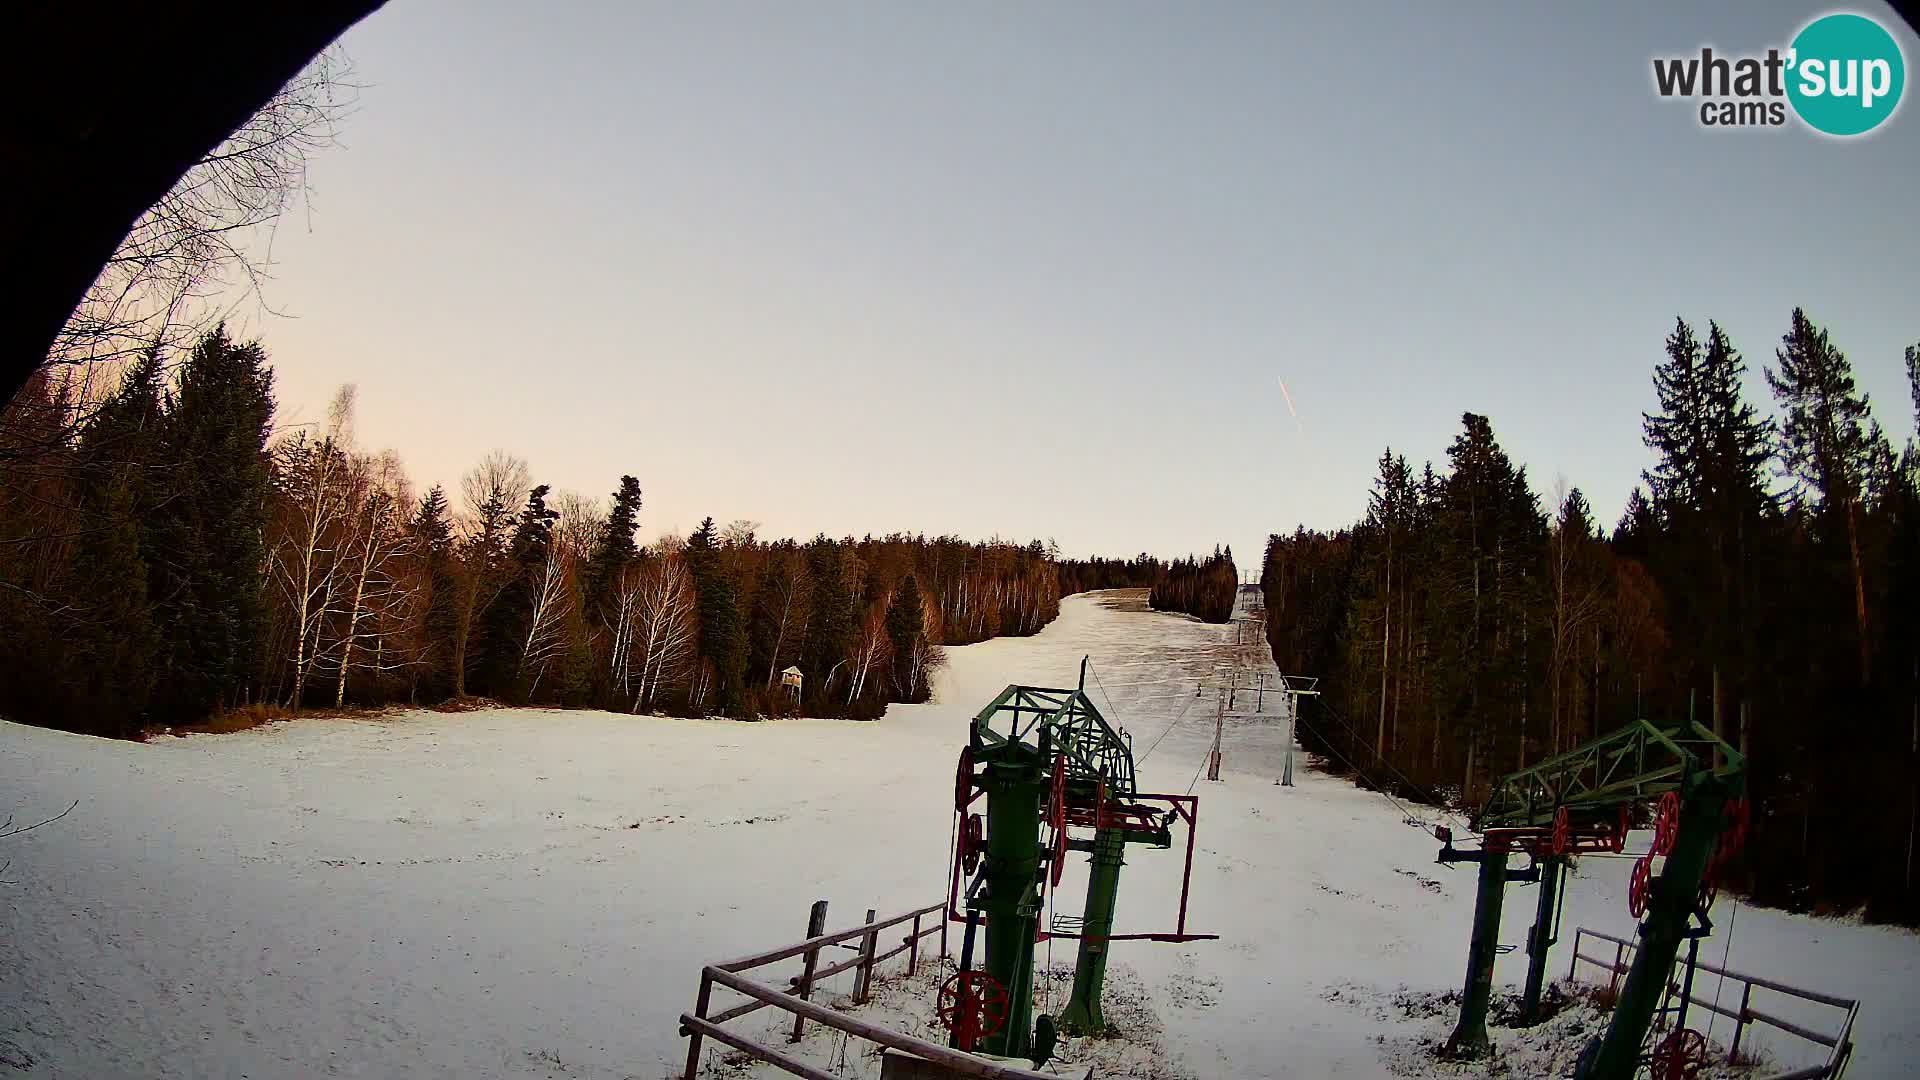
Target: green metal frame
point(1016, 738)
point(1093, 748)
point(1632, 764)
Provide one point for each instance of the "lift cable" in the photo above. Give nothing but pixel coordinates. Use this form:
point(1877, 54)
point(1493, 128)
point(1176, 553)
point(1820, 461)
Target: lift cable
point(1432, 798)
point(1406, 813)
point(1095, 669)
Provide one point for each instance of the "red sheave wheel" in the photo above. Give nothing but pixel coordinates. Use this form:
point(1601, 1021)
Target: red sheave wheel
point(1057, 797)
point(973, 842)
point(1639, 885)
point(972, 1005)
point(963, 781)
point(1562, 831)
point(1666, 823)
point(1682, 1055)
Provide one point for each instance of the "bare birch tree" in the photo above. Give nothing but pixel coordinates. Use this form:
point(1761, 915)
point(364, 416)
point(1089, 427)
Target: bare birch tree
point(376, 545)
point(666, 626)
point(871, 649)
point(313, 483)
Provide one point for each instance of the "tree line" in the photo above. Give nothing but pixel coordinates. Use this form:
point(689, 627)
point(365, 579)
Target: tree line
point(1143, 571)
point(1204, 589)
point(1763, 580)
point(166, 558)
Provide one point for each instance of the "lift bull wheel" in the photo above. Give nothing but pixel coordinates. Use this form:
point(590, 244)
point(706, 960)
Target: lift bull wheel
point(973, 1006)
point(1680, 1056)
point(1562, 831)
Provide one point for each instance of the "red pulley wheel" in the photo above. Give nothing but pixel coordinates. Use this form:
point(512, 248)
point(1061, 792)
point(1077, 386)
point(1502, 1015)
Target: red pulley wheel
point(1666, 823)
point(1057, 799)
point(972, 843)
point(1680, 1056)
point(1058, 858)
point(1639, 885)
point(1562, 831)
point(963, 781)
point(972, 1005)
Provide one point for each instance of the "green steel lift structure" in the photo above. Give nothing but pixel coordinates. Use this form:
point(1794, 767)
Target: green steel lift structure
point(1042, 757)
point(1581, 801)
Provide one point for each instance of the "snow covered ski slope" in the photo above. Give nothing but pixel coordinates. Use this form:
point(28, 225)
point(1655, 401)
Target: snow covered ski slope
point(523, 893)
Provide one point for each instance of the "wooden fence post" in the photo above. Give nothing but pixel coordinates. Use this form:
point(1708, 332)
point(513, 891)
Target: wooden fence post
point(816, 925)
point(913, 949)
point(1575, 962)
point(699, 1010)
point(863, 971)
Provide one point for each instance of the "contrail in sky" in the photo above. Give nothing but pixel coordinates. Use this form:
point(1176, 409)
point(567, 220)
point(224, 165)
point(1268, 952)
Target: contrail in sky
point(1291, 411)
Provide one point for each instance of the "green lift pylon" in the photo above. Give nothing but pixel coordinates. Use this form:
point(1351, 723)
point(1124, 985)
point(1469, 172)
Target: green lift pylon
point(1577, 802)
point(1041, 755)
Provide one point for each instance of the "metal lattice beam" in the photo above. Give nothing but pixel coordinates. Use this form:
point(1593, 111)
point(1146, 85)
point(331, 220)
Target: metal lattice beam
point(1632, 764)
point(1094, 749)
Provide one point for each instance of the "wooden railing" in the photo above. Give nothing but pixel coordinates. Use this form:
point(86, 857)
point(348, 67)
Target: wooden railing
point(795, 997)
point(1839, 1044)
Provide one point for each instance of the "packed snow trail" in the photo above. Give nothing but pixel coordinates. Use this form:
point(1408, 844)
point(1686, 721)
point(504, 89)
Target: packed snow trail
point(529, 893)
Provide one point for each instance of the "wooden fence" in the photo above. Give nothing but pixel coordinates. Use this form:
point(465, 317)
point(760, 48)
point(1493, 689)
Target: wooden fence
point(795, 997)
point(1839, 1044)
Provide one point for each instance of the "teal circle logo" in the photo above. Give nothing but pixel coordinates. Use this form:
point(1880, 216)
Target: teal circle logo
point(1845, 74)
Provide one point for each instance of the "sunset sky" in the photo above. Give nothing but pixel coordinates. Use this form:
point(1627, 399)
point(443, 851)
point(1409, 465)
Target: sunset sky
point(1037, 270)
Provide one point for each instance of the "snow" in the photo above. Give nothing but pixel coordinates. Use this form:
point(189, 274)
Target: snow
point(528, 893)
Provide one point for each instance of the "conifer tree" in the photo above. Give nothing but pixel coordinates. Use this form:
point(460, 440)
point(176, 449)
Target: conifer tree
point(432, 530)
point(1709, 490)
point(510, 616)
point(907, 629)
point(208, 552)
point(830, 620)
point(722, 630)
point(613, 549)
point(114, 640)
point(1828, 443)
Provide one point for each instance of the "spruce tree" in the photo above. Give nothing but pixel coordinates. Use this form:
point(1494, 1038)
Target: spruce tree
point(830, 623)
point(613, 549)
point(208, 554)
point(1710, 498)
point(722, 630)
point(115, 643)
point(432, 530)
point(1828, 444)
point(509, 617)
point(906, 629)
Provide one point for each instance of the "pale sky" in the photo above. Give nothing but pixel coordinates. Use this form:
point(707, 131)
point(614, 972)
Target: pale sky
point(1037, 270)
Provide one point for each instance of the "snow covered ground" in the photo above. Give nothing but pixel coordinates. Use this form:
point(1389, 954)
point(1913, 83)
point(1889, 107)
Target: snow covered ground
point(522, 893)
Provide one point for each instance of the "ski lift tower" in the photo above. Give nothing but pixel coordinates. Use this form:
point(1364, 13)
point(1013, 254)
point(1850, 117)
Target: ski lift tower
point(1045, 756)
point(1294, 687)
